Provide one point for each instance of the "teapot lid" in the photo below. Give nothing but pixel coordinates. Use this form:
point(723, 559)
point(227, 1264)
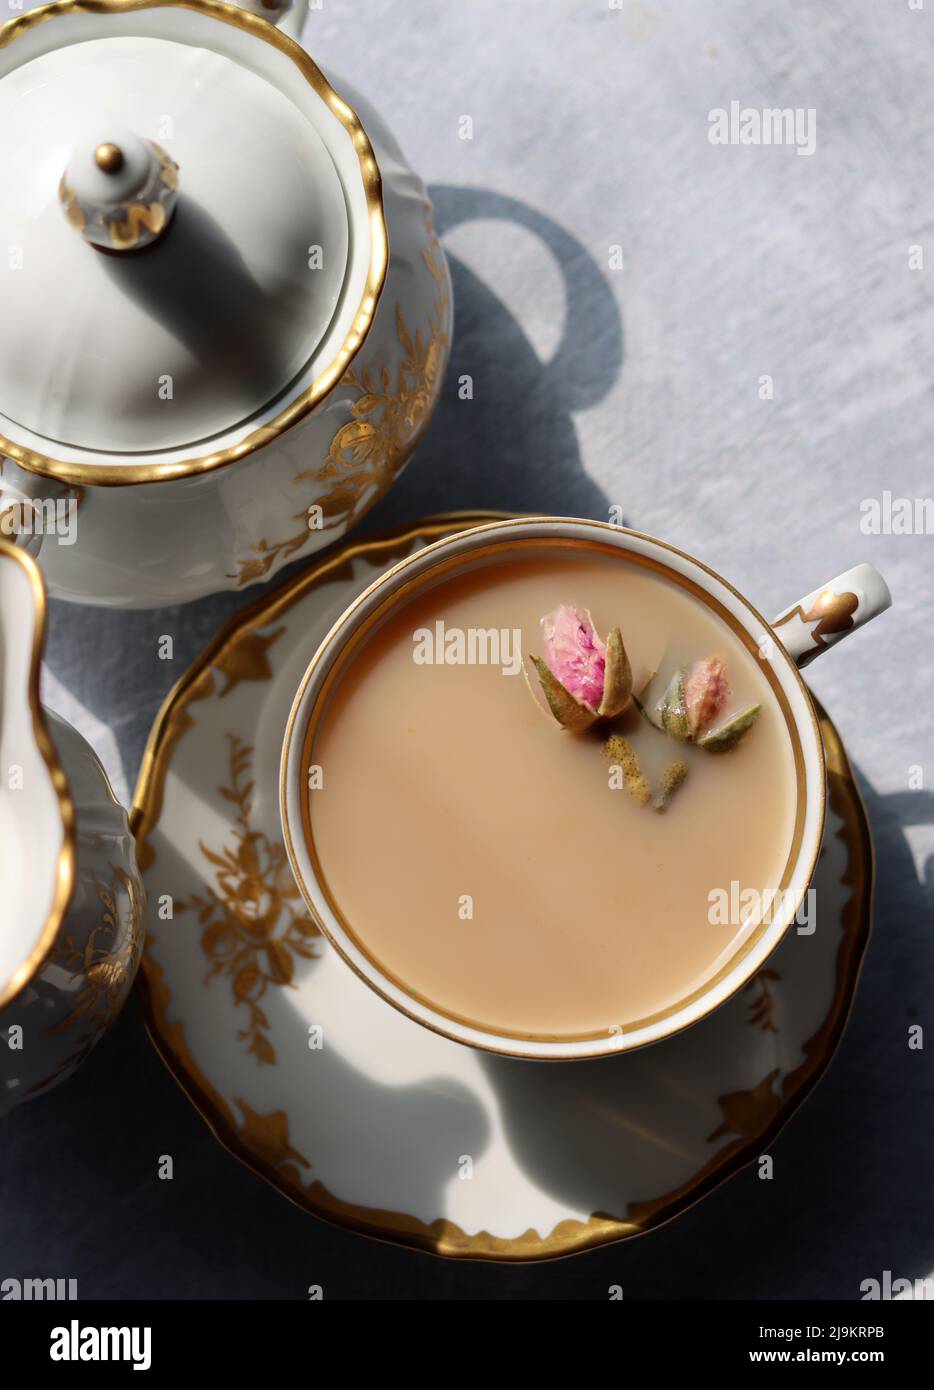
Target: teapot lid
point(183, 206)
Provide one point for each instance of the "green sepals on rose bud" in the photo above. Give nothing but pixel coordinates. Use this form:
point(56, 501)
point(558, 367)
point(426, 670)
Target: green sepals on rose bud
point(570, 713)
point(728, 735)
point(617, 678)
point(672, 711)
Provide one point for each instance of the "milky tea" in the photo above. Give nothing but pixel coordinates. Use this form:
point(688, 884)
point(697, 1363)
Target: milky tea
point(499, 867)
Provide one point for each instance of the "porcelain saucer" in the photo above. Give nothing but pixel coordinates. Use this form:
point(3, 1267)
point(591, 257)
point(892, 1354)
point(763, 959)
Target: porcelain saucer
point(363, 1117)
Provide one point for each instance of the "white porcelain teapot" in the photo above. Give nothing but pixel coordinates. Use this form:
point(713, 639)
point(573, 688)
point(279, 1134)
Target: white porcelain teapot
point(226, 311)
point(72, 928)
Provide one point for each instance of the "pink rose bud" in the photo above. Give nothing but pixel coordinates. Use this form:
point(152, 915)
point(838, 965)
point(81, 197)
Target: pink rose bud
point(706, 692)
point(574, 654)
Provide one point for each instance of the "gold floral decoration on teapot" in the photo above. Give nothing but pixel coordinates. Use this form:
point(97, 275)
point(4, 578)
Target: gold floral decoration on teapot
point(389, 414)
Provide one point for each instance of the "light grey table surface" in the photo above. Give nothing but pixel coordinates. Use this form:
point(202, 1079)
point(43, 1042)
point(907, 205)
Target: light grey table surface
point(595, 386)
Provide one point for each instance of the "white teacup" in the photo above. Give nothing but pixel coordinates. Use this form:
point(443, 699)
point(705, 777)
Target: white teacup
point(791, 641)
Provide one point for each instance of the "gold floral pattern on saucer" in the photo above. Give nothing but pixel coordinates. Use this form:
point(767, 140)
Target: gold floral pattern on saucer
point(372, 1122)
point(254, 921)
point(107, 958)
point(762, 1007)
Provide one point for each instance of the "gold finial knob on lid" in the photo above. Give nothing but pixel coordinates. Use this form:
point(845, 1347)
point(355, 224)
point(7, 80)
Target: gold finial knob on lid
point(109, 157)
point(119, 192)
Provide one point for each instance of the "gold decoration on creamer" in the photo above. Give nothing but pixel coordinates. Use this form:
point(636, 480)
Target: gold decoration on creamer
point(254, 922)
point(368, 451)
point(106, 959)
point(14, 518)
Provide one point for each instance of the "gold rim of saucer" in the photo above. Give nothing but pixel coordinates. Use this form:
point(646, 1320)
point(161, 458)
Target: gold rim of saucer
point(494, 1038)
point(67, 855)
point(125, 475)
point(443, 1237)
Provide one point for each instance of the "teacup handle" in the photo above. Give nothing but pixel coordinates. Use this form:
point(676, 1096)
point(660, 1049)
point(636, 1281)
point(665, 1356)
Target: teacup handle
point(829, 613)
